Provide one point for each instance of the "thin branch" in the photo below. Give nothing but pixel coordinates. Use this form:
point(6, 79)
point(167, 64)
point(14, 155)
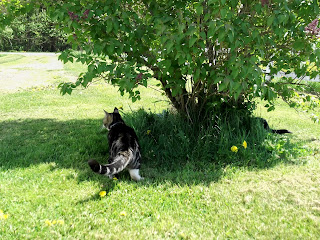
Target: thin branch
point(151, 88)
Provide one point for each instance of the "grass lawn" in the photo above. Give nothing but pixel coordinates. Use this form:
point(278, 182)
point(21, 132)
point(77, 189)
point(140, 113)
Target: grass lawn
point(47, 190)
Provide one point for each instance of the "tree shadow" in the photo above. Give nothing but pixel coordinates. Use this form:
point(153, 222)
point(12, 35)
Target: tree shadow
point(108, 187)
point(169, 150)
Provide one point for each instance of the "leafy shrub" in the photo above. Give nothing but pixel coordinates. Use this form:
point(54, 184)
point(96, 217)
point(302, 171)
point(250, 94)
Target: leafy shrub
point(207, 55)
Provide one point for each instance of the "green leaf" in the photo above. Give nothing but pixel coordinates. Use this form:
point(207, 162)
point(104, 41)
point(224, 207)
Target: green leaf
point(255, 33)
point(109, 27)
point(270, 21)
point(212, 29)
point(224, 84)
point(110, 49)
point(166, 64)
point(271, 108)
point(176, 90)
point(221, 36)
point(230, 36)
point(218, 80)
point(237, 93)
point(207, 17)
point(199, 8)
point(192, 41)
point(283, 18)
point(169, 46)
point(211, 2)
point(298, 45)
point(196, 75)
point(181, 60)
point(223, 12)
point(203, 35)
point(181, 27)
point(64, 57)
point(191, 31)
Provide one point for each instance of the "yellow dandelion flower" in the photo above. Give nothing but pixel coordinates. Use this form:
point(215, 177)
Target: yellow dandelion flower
point(60, 222)
point(182, 235)
point(148, 132)
point(3, 216)
point(102, 193)
point(244, 144)
point(121, 107)
point(48, 222)
point(234, 149)
point(123, 213)
point(54, 222)
point(114, 178)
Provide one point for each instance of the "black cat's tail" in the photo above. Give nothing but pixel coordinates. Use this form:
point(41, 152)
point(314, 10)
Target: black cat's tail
point(119, 163)
point(280, 131)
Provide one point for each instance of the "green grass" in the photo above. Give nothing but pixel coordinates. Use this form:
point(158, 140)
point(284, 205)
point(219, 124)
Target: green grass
point(194, 188)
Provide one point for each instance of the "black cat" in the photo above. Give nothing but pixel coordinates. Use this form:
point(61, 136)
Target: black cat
point(266, 126)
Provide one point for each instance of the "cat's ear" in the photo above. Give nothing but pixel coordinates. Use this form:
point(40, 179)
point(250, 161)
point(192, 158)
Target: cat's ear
point(115, 110)
point(105, 112)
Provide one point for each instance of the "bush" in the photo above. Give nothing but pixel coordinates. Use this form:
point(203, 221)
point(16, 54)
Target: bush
point(207, 55)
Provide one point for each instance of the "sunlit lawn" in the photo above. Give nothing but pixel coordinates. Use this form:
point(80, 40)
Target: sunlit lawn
point(47, 191)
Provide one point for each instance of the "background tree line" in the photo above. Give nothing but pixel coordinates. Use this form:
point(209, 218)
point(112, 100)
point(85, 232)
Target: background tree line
point(33, 32)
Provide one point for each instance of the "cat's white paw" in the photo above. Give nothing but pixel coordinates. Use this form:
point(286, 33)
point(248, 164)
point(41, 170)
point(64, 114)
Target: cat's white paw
point(134, 174)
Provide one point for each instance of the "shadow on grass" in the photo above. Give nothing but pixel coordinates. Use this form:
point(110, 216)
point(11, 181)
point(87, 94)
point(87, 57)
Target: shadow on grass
point(171, 150)
point(108, 187)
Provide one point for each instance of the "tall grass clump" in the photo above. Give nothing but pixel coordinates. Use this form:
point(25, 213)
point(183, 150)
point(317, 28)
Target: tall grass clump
point(182, 149)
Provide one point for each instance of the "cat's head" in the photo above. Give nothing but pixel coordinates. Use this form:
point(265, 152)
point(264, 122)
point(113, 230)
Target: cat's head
point(111, 118)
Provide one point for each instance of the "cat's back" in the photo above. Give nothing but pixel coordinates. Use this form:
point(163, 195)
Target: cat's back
point(124, 134)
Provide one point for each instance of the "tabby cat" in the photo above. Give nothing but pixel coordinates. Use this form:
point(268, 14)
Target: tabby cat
point(124, 149)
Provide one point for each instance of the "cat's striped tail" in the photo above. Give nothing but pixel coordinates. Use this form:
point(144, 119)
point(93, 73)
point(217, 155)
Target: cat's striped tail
point(120, 162)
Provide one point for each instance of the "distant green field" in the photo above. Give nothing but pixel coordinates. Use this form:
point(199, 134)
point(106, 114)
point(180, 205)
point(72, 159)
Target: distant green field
point(47, 191)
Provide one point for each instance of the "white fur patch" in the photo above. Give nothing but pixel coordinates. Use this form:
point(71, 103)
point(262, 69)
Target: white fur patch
point(134, 174)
